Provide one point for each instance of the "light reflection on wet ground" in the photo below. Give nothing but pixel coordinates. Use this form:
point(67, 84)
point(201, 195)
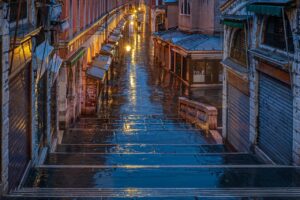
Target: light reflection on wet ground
point(137, 141)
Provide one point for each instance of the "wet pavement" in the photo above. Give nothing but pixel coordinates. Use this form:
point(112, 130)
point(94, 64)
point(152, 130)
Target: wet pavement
point(138, 148)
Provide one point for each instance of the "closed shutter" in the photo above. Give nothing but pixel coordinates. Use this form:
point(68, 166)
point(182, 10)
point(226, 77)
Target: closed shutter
point(238, 119)
point(19, 119)
point(275, 130)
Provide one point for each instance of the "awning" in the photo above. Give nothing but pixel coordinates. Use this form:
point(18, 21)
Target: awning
point(122, 24)
point(233, 24)
point(117, 32)
point(55, 65)
point(235, 21)
point(55, 11)
point(103, 61)
point(43, 52)
point(113, 39)
point(264, 7)
point(96, 73)
point(270, 56)
point(76, 56)
point(108, 49)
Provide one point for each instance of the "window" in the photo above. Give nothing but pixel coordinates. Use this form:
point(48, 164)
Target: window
point(239, 48)
point(185, 7)
point(178, 64)
point(274, 33)
point(13, 10)
point(172, 61)
point(209, 72)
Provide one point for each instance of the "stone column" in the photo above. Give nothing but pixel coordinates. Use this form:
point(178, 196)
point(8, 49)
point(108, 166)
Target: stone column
point(62, 97)
point(227, 33)
point(253, 83)
point(296, 91)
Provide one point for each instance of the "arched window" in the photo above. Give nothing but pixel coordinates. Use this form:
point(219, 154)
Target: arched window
point(185, 7)
point(274, 35)
point(239, 48)
point(188, 8)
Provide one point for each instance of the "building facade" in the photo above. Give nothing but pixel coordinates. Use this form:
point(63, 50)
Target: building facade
point(26, 99)
point(261, 82)
point(164, 14)
point(193, 51)
point(46, 48)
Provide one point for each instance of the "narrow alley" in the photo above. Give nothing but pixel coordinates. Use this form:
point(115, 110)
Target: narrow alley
point(137, 146)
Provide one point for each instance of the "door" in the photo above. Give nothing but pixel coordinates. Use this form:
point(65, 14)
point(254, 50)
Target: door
point(275, 121)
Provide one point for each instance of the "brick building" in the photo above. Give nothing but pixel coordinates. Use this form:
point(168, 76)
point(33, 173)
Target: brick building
point(261, 82)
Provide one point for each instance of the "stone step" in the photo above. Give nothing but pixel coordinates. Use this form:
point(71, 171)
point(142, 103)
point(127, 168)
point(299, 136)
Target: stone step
point(159, 193)
point(208, 177)
point(130, 124)
point(136, 136)
point(125, 120)
point(143, 148)
point(145, 160)
point(133, 127)
point(131, 117)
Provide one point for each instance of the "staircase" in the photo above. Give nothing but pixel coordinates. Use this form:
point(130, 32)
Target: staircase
point(151, 156)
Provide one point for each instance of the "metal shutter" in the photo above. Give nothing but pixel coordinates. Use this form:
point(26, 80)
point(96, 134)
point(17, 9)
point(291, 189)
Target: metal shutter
point(275, 130)
point(238, 119)
point(19, 138)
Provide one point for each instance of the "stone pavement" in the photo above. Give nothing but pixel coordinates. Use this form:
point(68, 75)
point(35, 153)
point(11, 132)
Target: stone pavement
point(138, 148)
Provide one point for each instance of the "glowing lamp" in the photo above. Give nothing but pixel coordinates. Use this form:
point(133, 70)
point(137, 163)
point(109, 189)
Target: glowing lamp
point(128, 48)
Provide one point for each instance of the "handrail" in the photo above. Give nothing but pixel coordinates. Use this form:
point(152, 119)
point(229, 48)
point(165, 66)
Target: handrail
point(202, 115)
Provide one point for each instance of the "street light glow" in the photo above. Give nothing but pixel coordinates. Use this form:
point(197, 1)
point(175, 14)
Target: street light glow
point(128, 48)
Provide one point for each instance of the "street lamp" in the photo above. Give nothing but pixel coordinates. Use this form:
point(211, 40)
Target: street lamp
point(128, 48)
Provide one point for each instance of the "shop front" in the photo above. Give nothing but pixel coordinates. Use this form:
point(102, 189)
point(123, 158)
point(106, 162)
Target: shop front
point(196, 72)
point(275, 113)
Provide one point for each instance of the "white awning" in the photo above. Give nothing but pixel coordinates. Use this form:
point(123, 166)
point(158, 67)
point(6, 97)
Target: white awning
point(64, 25)
point(42, 54)
point(108, 49)
point(55, 11)
point(117, 31)
point(96, 73)
point(113, 39)
point(55, 65)
point(102, 61)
